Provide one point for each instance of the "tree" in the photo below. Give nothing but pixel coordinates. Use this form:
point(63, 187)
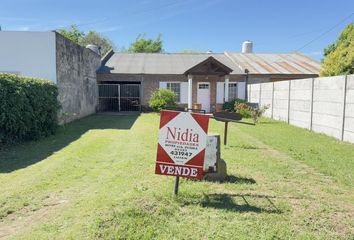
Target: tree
point(83, 39)
point(146, 45)
point(74, 34)
point(339, 56)
point(93, 37)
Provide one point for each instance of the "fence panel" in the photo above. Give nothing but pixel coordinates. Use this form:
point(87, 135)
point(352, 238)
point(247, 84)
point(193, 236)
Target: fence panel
point(300, 103)
point(266, 97)
point(281, 100)
point(324, 105)
point(328, 105)
point(348, 133)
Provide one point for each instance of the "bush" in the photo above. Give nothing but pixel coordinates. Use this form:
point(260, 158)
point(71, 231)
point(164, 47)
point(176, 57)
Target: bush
point(247, 110)
point(230, 106)
point(28, 108)
point(244, 109)
point(161, 99)
point(258, 112)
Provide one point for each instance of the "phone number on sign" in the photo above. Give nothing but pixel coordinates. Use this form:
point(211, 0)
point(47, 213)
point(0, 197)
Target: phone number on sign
point(178, 153)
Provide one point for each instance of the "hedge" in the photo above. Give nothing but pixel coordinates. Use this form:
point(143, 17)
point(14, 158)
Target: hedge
point(28, 108)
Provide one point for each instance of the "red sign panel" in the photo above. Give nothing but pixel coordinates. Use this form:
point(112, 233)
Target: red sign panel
point(182, 143)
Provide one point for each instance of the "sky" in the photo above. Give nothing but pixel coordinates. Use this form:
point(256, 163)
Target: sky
point(275, 26)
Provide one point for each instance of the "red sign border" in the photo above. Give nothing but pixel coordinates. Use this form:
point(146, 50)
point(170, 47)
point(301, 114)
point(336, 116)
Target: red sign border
point(197, 161)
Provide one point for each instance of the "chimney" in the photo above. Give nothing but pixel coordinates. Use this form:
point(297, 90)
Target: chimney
point(247, 47)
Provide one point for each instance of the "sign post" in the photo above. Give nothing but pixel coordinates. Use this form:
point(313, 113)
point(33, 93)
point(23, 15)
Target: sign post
point(176, 185)
point(181, 145)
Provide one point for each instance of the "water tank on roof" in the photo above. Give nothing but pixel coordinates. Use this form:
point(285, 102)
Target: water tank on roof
point(94, 48)
point(247, 47)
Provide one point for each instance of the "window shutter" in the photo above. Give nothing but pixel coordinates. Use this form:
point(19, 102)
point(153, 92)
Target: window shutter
point(220, 92)
point(184, 92)
point(241, 90)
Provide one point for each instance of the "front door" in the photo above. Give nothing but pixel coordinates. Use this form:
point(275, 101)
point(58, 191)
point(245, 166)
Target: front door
point(203, 96)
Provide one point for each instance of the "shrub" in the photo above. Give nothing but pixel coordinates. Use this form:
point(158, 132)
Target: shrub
point(244, 109)
point(161, 99)
point(258, 112)
point(247, 110)
point(230, 106)
point(28, 108)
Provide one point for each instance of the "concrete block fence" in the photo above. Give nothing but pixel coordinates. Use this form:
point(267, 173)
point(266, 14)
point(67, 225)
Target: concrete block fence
point(324, 104)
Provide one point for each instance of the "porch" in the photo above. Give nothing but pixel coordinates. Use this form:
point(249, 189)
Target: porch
point(209, 85)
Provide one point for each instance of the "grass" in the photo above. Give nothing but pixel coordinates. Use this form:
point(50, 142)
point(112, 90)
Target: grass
point(95, 180)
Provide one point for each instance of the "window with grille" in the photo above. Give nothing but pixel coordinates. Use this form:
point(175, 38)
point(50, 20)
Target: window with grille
point(176, 88)
point(232, 91)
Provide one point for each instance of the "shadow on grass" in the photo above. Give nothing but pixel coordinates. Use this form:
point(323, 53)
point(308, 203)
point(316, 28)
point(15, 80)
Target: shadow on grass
point(230, 179)
point(240, 203)
point(25, 154)
point(268, 122)
point(239, 180)
point(243, 146)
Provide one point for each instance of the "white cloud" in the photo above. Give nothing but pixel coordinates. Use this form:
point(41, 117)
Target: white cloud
point(110, 29)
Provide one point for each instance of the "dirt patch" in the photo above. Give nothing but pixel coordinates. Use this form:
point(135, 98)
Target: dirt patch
point(27, 217)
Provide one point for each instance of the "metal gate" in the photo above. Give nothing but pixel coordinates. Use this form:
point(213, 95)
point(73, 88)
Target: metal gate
point(119, 97)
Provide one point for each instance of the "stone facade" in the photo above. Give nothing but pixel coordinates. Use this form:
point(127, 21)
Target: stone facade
point(76, 68)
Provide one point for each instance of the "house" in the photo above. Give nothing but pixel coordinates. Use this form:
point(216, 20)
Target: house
point(126, 81)
point(50, 56)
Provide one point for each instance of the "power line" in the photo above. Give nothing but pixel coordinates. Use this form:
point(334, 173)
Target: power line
point(324, 33)
point(134, 13)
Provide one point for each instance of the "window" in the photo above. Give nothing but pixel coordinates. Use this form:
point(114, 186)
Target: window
point(176, 88)
point(203, 86)
point(232, 91)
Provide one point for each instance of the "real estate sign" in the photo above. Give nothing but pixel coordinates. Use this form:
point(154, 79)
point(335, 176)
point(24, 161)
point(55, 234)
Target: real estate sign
point(182, 143)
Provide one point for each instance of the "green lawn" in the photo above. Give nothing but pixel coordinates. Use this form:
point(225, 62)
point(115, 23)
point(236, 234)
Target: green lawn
point(95, 180)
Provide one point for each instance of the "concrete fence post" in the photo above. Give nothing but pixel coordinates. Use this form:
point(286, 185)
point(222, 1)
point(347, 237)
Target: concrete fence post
point(344, 105)
point(289, 94)
point(272, 100)
point(311, 102)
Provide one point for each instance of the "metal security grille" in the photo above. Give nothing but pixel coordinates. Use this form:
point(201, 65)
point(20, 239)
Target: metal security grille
point(119, 97)
point(129, 97)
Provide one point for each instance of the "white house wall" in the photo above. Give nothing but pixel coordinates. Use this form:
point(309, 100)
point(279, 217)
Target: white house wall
point(28, 53)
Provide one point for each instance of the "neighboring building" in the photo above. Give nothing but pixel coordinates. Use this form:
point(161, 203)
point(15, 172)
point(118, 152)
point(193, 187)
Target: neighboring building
point(50, 56)
point(204, 80)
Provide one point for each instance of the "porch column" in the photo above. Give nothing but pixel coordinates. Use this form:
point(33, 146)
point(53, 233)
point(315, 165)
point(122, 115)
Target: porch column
point(226, 96)
point(190, 81)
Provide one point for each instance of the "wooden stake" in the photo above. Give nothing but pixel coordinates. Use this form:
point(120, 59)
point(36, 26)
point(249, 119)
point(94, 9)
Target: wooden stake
point(225, 132)
point(176, 186)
